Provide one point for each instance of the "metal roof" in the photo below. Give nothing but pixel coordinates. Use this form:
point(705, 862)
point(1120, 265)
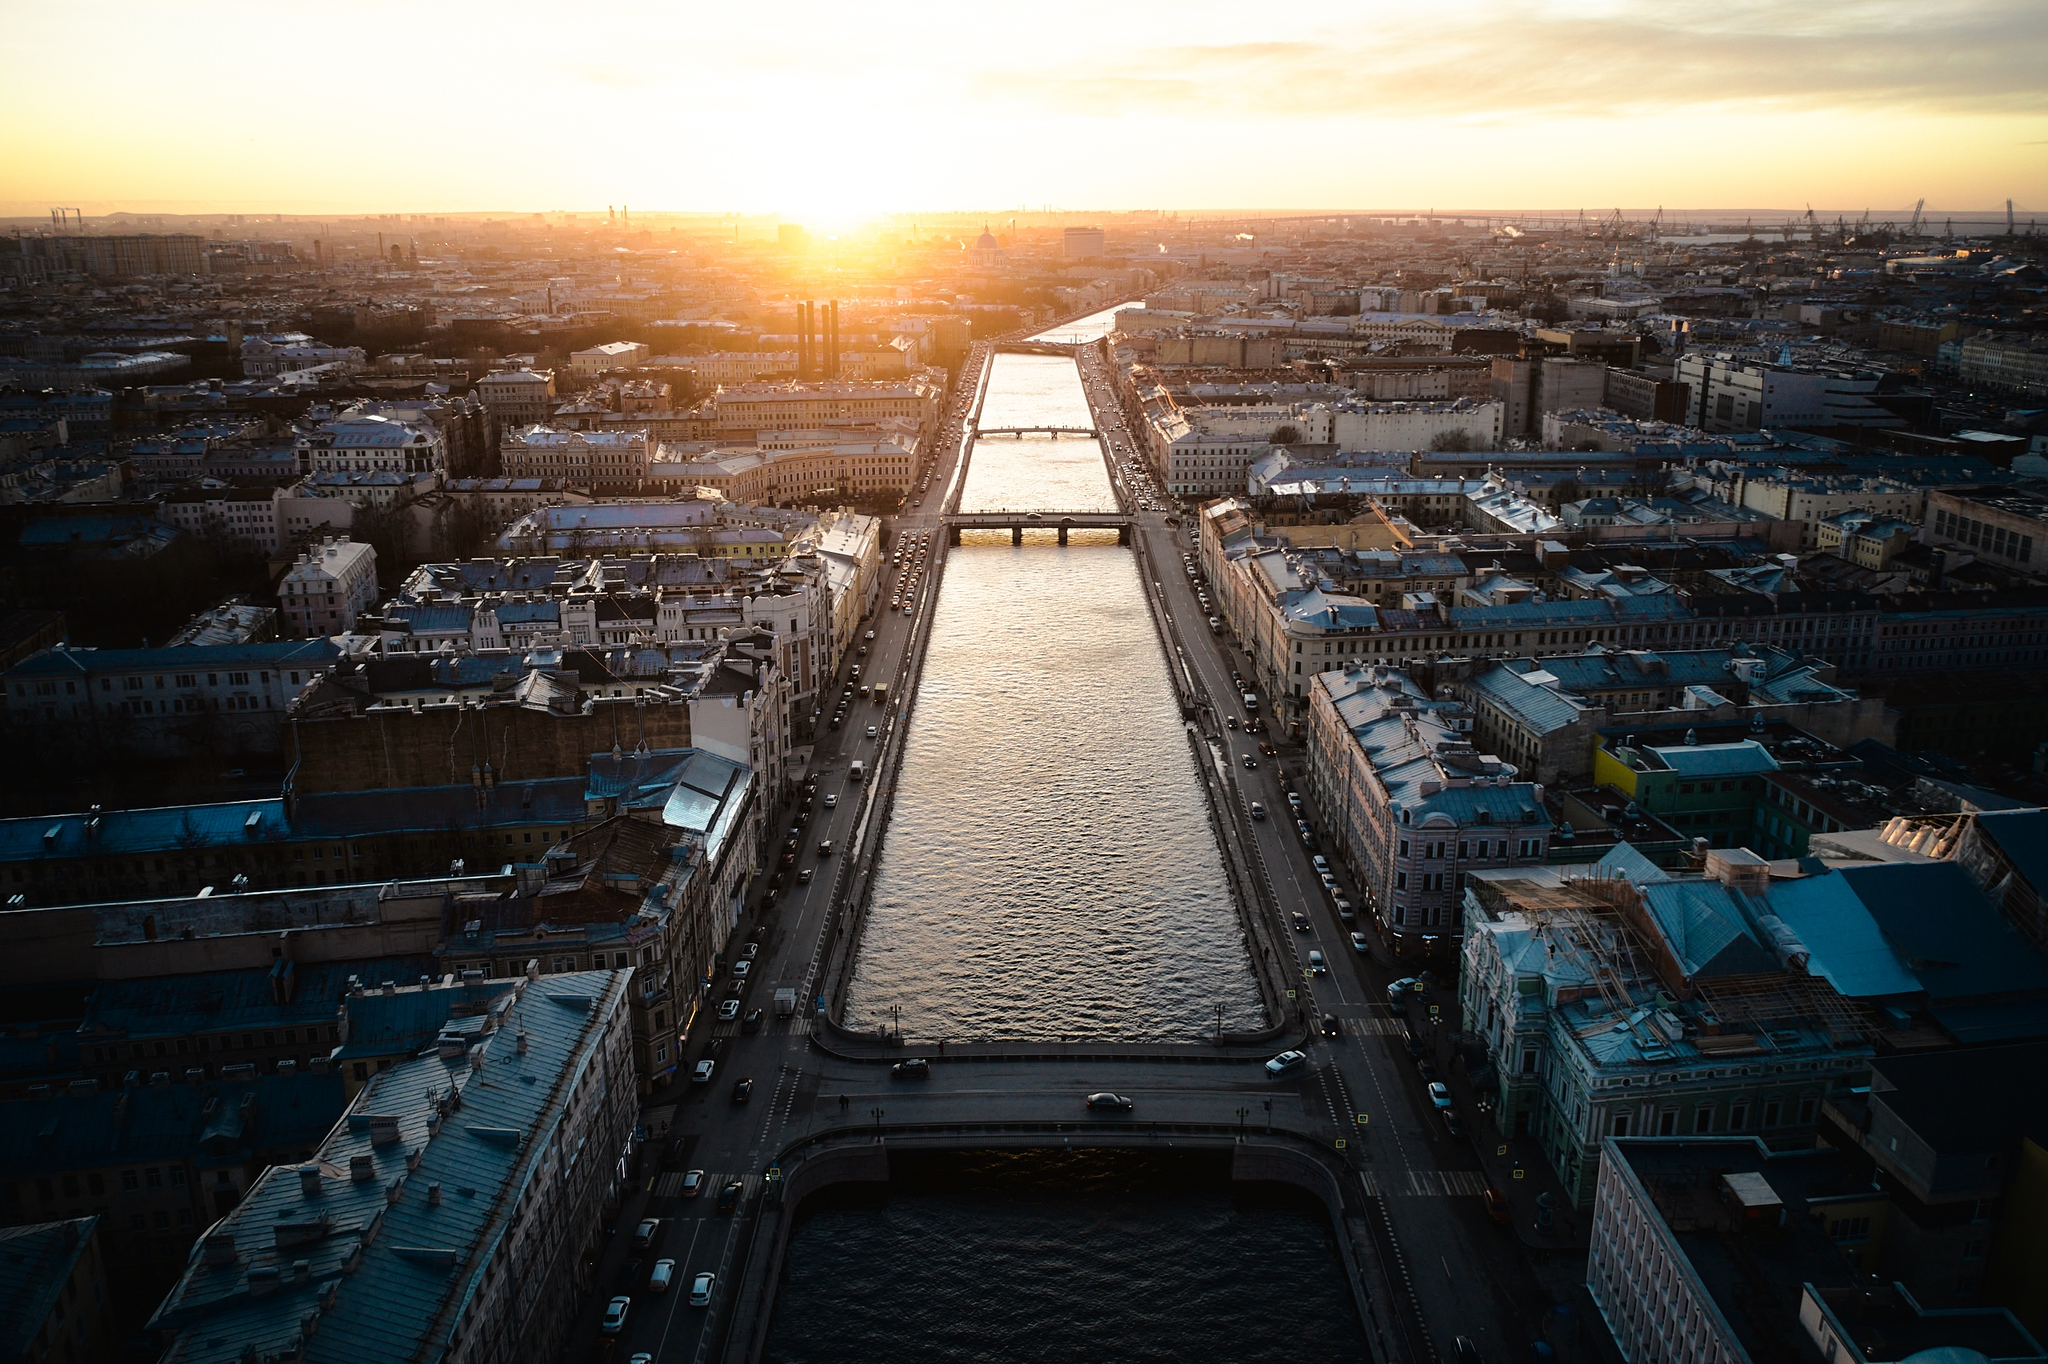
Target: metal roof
point(386, 1267)
point(35, 1263)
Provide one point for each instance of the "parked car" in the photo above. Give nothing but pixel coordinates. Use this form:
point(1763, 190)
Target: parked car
point(1286, 1061)
point(663, 1273)
point(615, 1315)
point(1497, 1206)
point(1358, 943)
point(1439, 1096)
point(728, 1010)
point(644, 1234)
point(701, 1073)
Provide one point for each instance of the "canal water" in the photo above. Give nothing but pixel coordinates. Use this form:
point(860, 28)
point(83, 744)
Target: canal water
point(1049, 870)
point(1048, 1255)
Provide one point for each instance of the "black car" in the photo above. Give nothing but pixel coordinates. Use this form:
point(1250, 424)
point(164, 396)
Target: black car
point(1427, 1070)
point(1468, 1353)
point(917, 1068)
point(729, 1196)
point(752, 1022)
point(1331, 1027)
point(735, 987)
point(742, 1090)
point(1300, 922)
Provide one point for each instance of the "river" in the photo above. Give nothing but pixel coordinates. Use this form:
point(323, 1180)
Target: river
point(1049, 869)
point(1053, 1255)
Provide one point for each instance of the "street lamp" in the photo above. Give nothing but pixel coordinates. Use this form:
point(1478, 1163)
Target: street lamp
point(1242, 1114)
point(1269, 1117)
point(878, 1122)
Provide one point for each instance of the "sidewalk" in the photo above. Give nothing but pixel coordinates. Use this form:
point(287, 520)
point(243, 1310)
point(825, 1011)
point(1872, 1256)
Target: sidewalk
point(1515, 1166)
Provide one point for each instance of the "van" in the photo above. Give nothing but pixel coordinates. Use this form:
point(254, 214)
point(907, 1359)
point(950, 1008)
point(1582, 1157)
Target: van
point(664, 1273)
point(858, 772)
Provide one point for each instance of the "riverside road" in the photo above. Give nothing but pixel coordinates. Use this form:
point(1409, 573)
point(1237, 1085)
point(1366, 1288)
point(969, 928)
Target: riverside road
point(1448, 1270)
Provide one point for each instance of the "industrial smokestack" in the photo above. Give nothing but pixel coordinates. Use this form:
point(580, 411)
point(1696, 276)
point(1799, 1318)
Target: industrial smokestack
point(803, 339)
point(835, 338)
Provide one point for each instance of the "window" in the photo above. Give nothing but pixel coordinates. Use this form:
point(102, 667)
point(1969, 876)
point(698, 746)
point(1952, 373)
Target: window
point(153, 1177)
point(1667, 1123)
point(1738, 1117)
point(1703, 1118)
point(1772, 1112)
point(1618, 1125)
point(1846, 1230)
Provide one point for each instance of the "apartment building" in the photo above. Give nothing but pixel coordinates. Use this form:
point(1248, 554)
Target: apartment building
point(1415, 806)
point(361, 444)
point(580, 459)
point(490, 1161)
point(328, 586)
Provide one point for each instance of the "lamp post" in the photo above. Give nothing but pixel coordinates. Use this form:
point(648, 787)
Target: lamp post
point(1242, 1114)
point(1269, 1116)
point(877, 1112)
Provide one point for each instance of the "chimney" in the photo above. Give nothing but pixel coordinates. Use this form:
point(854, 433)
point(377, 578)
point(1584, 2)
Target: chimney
point(361, 1169)
point(433, 1195)
point(383, 1130)
point(523, 1044)
point(220, 1248)
point(309, 1181)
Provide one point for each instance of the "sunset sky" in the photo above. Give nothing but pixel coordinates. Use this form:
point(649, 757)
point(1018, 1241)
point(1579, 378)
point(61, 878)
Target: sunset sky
point(830, 112)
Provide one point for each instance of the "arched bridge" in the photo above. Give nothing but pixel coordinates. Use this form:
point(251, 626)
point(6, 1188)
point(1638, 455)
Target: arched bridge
point(1017, 522)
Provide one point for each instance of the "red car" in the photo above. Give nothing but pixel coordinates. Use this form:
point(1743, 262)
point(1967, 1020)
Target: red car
point(1497, 1206)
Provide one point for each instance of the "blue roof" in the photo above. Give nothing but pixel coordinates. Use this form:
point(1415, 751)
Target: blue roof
point(220, 1001)
point(311, 654)
point(1704, 928)
point(1845, 946)
point(1945, 931)
point(1743, 758)
point(35, 1263)
point(269, 1117)
point(1537, 706)
point(393, 1280)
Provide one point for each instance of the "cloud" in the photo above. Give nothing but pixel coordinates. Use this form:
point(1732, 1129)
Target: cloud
point(1491, 59)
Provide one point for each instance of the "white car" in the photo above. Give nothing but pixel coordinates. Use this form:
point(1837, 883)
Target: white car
point(701, 1074)
point(728, 1010)
point(615, 1316)
point(1286, 1061)
point(700, 1289)
point(831, 799)
point(741, 968)
point(872, 731)
point(1439, 1095)
point(1358, 943)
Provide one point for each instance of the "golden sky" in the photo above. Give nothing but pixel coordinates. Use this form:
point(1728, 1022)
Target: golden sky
point(831, 112)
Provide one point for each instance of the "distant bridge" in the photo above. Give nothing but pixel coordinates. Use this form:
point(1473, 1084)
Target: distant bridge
point(1017, 522)
point(1022, 431)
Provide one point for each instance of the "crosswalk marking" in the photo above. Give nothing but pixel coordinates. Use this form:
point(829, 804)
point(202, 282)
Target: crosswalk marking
point(1381, 1027)
point(670, 1184)
point(1428, 1184)
point(1445, 1183)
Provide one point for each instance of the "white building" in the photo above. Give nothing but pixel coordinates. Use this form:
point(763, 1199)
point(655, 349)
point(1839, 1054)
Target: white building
point(268, 357)
point(586, 365)
point(332, 583)
point(581, 459)
point(360, 444)
point(518, 397)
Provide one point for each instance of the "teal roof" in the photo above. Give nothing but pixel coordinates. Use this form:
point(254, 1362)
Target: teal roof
point(35, 1263)
point(393, 1280)
point(1705, 930)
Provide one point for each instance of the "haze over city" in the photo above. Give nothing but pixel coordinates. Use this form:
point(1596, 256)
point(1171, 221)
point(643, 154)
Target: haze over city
point(819, 684)
point(846, 112)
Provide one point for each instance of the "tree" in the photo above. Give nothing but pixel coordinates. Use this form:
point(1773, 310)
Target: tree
point(1452, 441)
point(1287, 434)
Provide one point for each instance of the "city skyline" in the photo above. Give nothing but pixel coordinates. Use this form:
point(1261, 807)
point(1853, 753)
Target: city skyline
point(1872, 105)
